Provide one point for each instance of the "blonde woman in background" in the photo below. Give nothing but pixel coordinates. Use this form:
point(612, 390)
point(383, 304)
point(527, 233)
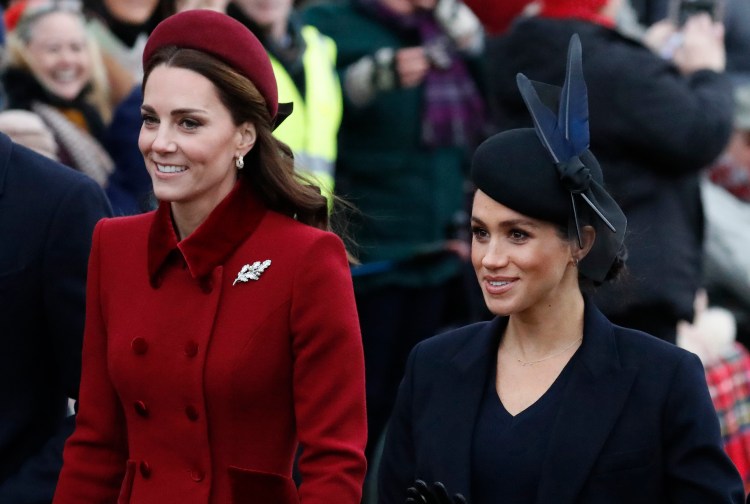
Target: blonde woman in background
point(55, 70)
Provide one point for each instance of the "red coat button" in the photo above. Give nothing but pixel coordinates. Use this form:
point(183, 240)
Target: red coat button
point(206, 285)
point(197, 475)
point(191, 413)
point(139, 346)
point(191, 349)
point(145, 469)
point(140, 408)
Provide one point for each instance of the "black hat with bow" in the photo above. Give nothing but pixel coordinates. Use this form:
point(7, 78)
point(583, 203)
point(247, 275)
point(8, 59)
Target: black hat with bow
point(548, 173)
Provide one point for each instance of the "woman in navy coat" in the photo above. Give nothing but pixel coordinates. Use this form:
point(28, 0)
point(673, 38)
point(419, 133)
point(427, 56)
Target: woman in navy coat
point(221, 330)
point(550, 402)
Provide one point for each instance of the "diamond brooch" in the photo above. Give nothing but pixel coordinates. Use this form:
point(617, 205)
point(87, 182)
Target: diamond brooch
point(252, 271)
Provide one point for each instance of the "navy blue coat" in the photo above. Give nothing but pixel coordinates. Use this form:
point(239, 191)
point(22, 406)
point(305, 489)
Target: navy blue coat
point(636, 423)
point(47, 216)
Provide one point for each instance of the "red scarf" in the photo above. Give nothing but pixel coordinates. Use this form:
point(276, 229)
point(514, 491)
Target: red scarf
point(590, 10)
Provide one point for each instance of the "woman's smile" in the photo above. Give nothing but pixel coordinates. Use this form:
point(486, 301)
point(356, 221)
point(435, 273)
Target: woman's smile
point(162, 168)
point(497, 286)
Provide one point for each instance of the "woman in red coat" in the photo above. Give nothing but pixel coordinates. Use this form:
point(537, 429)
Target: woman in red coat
point(221, 329)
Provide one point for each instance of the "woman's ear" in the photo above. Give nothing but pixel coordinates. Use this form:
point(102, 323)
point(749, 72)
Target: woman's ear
point(588, 235)
point(248, 136)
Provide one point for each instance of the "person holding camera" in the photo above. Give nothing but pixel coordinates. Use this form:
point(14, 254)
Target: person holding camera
point(734, 13)
point(655, 124)
point(412, 111)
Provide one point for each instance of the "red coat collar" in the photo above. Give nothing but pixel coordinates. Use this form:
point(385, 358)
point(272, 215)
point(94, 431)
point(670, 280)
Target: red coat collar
point(225, 228)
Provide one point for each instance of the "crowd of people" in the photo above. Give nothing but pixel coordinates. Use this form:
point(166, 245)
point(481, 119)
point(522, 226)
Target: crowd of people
point(367, 251)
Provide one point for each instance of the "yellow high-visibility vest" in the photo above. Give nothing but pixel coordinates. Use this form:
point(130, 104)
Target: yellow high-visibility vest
point(312, 128)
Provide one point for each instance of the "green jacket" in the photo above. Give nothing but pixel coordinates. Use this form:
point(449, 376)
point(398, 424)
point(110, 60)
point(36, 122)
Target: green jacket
point(407, 196)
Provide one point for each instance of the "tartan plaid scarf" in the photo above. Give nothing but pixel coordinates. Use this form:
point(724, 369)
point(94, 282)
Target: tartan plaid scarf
point(454, 110)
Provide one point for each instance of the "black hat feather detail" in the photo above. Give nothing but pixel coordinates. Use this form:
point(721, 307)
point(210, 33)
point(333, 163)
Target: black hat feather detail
point(552, 175)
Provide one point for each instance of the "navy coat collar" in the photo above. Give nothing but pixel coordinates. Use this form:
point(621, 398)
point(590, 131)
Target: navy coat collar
point(592, 401)
point(6, 146)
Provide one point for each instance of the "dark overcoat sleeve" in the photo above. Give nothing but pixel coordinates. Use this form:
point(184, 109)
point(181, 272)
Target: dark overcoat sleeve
point(398, 465)
point(96, 476)
point(64, 260)
point(681, 123)
point(696, 468)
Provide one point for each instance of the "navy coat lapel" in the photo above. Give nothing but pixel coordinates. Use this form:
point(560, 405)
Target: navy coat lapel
point(5, 148)
point(592, 402)
point(463, 384)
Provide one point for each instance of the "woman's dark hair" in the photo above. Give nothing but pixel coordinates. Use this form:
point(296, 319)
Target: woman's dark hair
point(269, 166)
point(617, 271)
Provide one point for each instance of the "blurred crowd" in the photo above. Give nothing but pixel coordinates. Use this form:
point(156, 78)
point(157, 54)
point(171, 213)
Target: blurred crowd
point(390, 99)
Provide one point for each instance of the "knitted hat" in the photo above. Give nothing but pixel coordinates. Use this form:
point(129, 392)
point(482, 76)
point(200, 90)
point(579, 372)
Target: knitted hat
point(223, 37)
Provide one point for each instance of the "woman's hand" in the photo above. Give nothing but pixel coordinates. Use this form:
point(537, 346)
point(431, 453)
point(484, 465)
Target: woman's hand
point(436, 493)
point(660, 36)
point(412, 65)
point(702, 46)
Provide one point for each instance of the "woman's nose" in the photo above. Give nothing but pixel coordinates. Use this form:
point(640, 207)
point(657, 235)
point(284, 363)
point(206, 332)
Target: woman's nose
point(163, 141)
point(495, 256)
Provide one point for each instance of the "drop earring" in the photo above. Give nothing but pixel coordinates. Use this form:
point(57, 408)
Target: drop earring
point(240, 162)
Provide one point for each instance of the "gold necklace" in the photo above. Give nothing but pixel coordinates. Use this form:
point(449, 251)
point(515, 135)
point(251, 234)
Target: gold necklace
point(560, 352)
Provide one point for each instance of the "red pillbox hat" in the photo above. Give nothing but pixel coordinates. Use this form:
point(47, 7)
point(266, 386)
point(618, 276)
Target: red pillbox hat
point(223, 37)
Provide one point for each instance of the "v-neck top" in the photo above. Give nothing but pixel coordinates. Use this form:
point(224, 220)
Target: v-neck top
point(508, 451)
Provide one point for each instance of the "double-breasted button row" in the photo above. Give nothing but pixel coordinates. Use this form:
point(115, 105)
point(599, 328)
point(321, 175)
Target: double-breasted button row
point(207, 285)
point(197, 475)
point(145, 469)
point(140, 347)
point(140, 408)
point(191, 348)
point(191, 413)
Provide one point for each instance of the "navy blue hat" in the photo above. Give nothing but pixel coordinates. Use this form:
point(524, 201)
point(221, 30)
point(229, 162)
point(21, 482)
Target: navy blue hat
point(548, 173)
point(514, 168)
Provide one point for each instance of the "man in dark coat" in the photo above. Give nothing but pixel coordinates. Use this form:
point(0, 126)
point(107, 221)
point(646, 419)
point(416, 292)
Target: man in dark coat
point(47, 215)
point(654, 125)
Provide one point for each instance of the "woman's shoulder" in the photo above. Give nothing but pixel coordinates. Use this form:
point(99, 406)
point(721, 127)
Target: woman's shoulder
point(300, 244)
point(448, 344)
point(304, 235)
point(637, 348)
point(125, 226)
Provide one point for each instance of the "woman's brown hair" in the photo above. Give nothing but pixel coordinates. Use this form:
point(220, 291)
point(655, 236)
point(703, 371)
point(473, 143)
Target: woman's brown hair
point(269, 166)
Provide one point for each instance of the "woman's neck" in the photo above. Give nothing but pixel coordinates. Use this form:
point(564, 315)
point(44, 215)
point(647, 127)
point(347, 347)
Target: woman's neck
point(187, 216)
point(547, 327)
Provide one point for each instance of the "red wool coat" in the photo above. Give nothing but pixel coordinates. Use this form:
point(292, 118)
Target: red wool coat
point(198, 384)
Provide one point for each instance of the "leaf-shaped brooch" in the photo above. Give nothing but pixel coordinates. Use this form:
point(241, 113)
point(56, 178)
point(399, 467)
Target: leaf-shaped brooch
point(252, 271)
